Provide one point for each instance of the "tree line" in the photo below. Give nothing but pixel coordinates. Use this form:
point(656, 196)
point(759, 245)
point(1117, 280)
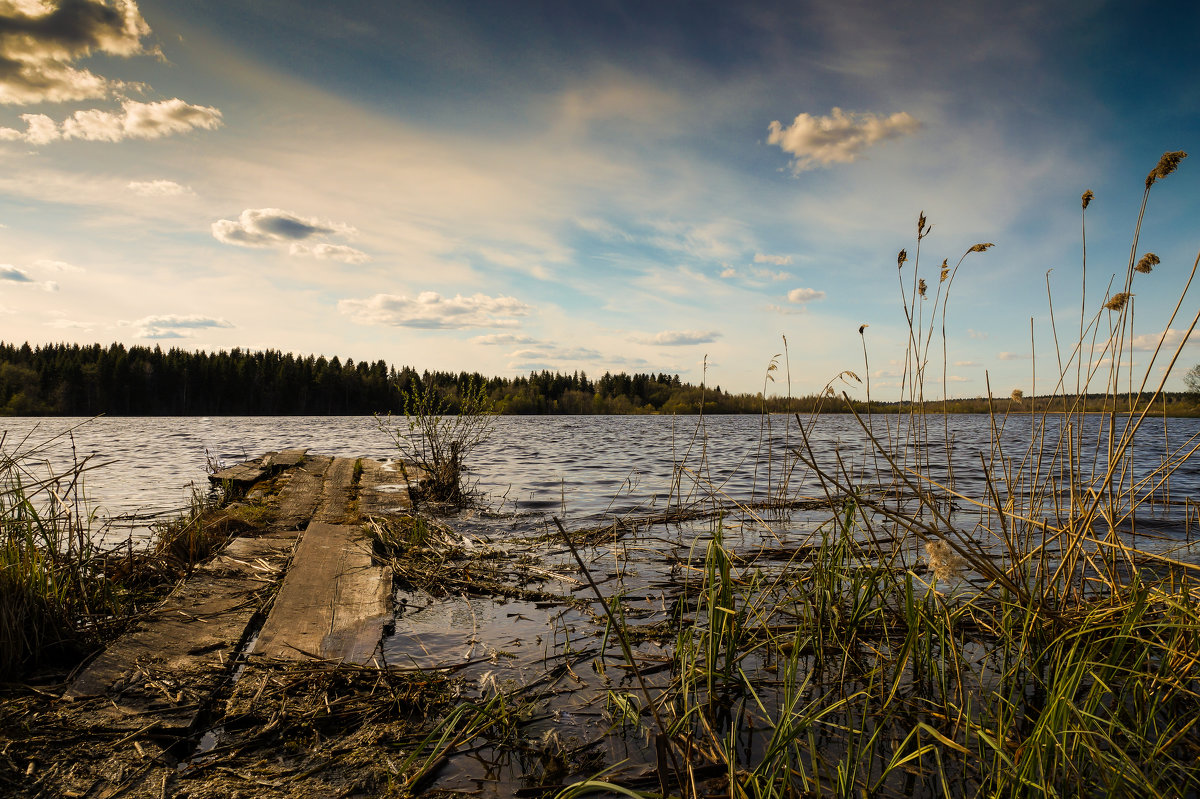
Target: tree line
point(88, 380)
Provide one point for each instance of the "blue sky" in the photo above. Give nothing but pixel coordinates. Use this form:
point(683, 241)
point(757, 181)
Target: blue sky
point(509, 186)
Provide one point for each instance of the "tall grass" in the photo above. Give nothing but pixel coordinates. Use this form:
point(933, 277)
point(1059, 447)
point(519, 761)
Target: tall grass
point(927, 641)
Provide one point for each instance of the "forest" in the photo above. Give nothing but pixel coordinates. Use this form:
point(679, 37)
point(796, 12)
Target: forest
point(88, 380)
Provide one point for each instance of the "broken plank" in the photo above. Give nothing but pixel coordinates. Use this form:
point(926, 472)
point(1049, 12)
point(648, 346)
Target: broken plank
point(335, 493)
point(245, 474)
point(299, 498)
point(285, 459)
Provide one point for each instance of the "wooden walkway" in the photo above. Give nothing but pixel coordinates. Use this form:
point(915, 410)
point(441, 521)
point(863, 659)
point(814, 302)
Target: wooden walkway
point(304, 588)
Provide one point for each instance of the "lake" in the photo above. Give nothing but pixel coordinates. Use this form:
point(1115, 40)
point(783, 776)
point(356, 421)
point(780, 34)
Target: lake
point(589, 468)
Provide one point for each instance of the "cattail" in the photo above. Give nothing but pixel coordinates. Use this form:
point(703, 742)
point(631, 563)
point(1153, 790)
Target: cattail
point(862, 327)
point(945, 270)
point(1166, 165)
point(1087, 198)
point(981, 247)
point(1147, 264)
point(1117, 302)
point(921, 287)
point(1017, 395)
point(901, 258)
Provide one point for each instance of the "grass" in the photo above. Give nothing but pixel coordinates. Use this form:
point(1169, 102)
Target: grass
point(930, 642)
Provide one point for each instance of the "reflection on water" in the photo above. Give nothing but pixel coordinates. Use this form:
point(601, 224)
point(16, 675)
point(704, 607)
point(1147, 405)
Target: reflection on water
point(587, 468)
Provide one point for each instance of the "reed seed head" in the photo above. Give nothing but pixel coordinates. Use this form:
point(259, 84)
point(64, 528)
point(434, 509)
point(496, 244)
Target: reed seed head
point(901, 258)
point(1017, 395)
point(1166, 165)
point(1147, 264)
point(1117, 301)
point(945, 270)
point(943, 561)
point(921, 287)
point(1087, 198)
point(862, 327)
point(920, 224)
point(981, 247)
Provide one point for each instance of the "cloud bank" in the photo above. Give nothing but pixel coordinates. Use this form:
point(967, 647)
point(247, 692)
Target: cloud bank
point(39, 42)
point(135, 120)
point(839, 138)
point(431, 311)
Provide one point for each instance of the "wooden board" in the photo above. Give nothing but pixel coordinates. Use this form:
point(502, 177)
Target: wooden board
point(177, 656)
point(335, 494)
point(384, 490)
point(333, 602)
point(299, 498)
point(285, 459)
point(245, 474)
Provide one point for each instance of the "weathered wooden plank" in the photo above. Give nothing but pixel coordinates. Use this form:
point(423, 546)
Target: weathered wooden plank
point(383, 488)
point(335, 493)
point(284, 459)
point(299, 498)
point(333, 601)
point(242, 474)
point(177, 656)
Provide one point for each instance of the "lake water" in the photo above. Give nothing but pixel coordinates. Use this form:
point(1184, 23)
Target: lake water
point(589, 468)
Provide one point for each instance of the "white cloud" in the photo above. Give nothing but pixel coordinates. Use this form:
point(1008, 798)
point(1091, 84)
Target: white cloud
point(965, 363)
point(561, 353)
point(729, 271)
point(1012, 356)
point(274, 227)
point(69, 324)
point(157, 188)
point(976, 334)
point(431, 311)
point(174, 325)
point(838, 138)
point(332, 252)
point(679, 338)
point(136, 120)
point(803, 295)
point(11, 274)
point(502, 338)
point(14, 275)
point(778, 260)
point(39, 41)
point(1171, 338)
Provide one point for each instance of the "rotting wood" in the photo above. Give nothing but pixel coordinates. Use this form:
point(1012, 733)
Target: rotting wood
point(333, 601)
point(384, 489)
point(299, 498)
point(335, 493)
point(285, 458)
point(243, 474)
point(176, 657)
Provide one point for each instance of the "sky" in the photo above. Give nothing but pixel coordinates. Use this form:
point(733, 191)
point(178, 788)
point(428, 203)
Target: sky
point(661, 186)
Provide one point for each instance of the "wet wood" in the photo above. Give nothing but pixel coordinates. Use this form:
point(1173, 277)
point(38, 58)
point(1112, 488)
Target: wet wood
point(298, 499)
point(285, 459)
point(243, 474)
point(178, 655)
point(333, 601)
point(335, 493)
point(385, 488)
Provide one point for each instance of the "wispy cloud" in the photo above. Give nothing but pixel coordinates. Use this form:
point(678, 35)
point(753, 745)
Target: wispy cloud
point(430, 310)
point(157, 188)
point(11, 274)
point(164, 326)
point(839, 138)
point(777, 260)
point(1012, 356)
point(499, 339)
point(679, 338)
point(331, 252)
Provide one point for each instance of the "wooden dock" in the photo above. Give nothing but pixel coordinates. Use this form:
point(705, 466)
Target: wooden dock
point(304, 588)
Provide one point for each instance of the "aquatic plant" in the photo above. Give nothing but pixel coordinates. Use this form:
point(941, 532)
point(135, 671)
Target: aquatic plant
point(437, 436)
